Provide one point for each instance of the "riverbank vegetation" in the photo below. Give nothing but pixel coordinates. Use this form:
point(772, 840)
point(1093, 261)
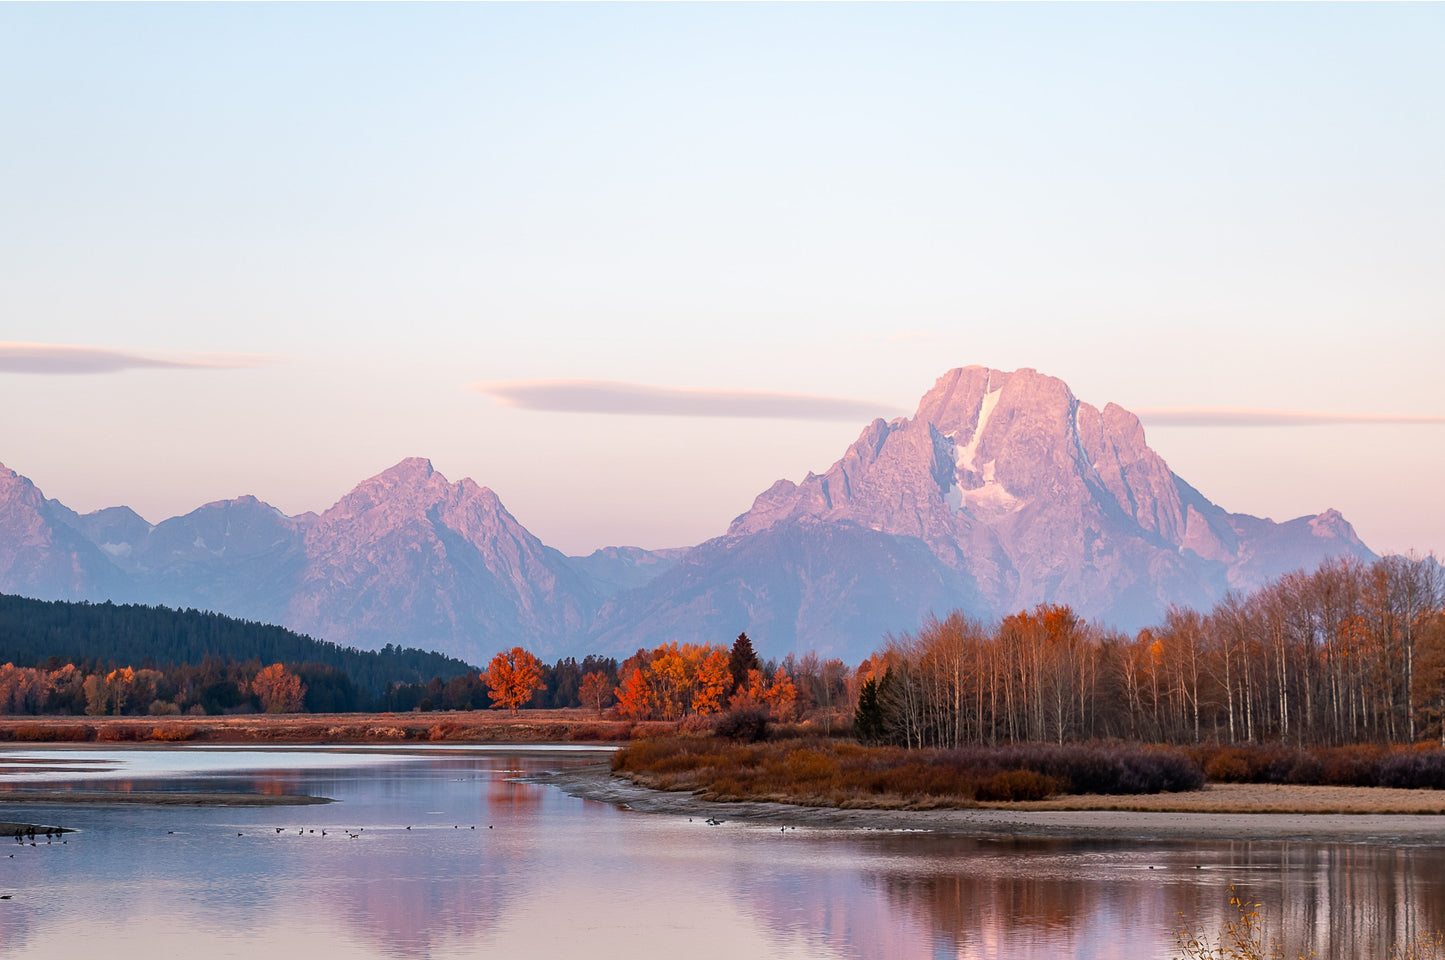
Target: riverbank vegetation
point(827, 772)
point(792, 764)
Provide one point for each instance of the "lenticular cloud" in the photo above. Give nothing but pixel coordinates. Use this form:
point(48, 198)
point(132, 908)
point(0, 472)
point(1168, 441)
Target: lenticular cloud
point(1251, 417)
point(612, 396)
point(63, 359)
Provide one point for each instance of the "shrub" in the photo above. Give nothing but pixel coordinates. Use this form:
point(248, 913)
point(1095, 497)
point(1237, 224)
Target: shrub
point(1305, 768)
point(173, 732)
point(1352, 766)
point(70, 733)
point(1248, 764)
point(1104, 769)
point(748, 725)
point(1009, 785)
point(444, 731)
point(1415, 770)
point(1362, 765)
point(696, 723)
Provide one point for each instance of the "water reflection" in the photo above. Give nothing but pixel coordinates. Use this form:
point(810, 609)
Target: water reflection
point(451, 857)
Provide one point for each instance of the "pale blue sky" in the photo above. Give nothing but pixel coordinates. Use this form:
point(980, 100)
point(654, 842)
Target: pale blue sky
point(1197, 206)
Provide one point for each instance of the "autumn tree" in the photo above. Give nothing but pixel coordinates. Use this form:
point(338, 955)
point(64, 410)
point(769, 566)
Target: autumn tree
point(673, 681)
point(512, 678)
point(781, 696)
point(595, 691)
point(279, 690)
point(713, 677)
point(22, 689)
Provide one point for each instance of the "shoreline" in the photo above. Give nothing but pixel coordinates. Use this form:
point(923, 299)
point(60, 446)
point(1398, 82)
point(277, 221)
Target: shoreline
point(596, 782)
point(93, 798)
point(571, 725)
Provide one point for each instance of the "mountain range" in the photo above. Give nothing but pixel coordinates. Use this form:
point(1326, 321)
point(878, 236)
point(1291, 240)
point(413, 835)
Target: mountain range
point(1002, 491)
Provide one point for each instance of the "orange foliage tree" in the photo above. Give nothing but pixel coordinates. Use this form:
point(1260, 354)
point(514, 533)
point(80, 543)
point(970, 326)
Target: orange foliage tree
point(778, 696)
point(673, 681)
point(279, 690)
point(595, 691)
point(512, 678)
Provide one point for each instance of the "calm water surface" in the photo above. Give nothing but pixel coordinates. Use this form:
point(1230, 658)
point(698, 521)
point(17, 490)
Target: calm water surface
point(546, 875)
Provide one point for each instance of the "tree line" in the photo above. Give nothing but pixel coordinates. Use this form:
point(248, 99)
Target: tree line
point(41, 633)
point(1349, 653)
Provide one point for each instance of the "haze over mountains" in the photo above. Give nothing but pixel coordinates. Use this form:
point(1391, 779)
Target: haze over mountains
point(1002, 491)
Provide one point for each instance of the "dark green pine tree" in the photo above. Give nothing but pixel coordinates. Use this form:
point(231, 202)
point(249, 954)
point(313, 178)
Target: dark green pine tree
point(868, 718)
point(742, 659)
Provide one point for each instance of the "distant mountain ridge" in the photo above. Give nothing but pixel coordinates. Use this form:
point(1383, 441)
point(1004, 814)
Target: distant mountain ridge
point(1002, 491)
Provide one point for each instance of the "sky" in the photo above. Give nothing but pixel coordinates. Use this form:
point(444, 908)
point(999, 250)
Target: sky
point(628, 265)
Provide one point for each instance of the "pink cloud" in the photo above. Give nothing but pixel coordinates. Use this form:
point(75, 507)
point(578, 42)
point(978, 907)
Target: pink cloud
point(637, 399)
point(66, 359)
point(1253, 417)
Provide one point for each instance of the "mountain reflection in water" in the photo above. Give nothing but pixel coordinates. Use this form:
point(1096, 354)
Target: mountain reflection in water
point(493, 867)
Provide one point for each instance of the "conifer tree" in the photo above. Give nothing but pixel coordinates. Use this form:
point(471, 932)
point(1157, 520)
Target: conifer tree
point(742, 659)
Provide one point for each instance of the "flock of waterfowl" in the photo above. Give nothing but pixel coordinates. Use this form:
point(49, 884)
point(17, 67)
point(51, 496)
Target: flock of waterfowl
point(351, 834)
point(30, 833)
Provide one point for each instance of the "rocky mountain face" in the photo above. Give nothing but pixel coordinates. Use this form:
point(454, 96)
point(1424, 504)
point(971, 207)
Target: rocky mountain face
point(443, 565)
point(836, 588)
point(406, 557)
point(1017, 492)
point(43, 556)
point(614, 570)
point(1002, 491)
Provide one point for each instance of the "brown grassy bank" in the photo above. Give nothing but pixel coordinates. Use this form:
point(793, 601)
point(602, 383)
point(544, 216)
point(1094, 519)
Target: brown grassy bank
point(471, 727)
point(835, 773)
point(1110, 776)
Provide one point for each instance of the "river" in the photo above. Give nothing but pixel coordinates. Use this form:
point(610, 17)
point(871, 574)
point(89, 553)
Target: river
point(446, 853)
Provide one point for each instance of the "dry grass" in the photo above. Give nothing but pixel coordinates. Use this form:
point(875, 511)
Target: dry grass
point(529, 726)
